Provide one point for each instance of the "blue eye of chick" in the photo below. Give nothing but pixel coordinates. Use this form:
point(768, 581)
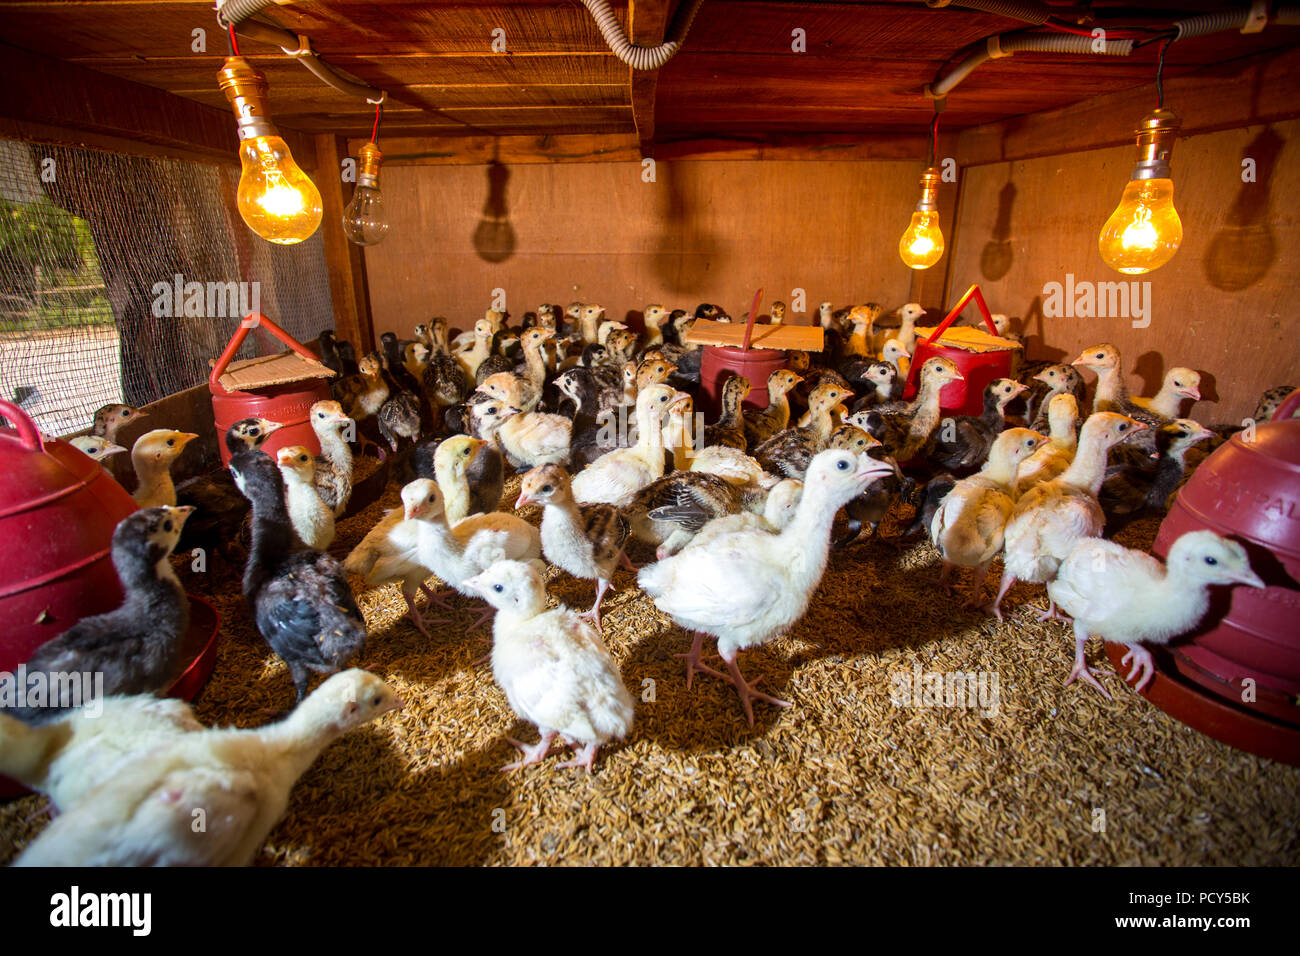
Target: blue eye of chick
point(842, 465)
point(498, 588)
point(1211, 561)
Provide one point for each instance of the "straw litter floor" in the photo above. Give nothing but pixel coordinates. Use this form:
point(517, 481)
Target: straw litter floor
point(1051, 775)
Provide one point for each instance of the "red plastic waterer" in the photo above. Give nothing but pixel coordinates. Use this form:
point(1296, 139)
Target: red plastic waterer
point(58, 511)
point(978, 369)
point(1237, 676)
point(289, 403)
point(720, 362)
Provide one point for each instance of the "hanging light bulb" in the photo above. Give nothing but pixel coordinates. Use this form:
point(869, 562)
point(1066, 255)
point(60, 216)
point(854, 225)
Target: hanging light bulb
point(363, 221)
point(276, 199)
point(922, 244)
point(1144, 231)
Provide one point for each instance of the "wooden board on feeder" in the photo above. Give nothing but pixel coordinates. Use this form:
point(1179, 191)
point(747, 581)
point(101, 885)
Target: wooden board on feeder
point(265, 370)
point(969, 338)
point(800, 338)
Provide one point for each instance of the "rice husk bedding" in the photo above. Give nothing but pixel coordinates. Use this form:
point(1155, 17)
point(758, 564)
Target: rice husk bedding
point(1055, 775)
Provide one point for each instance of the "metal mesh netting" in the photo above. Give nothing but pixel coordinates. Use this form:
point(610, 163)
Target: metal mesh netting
point(122, 277)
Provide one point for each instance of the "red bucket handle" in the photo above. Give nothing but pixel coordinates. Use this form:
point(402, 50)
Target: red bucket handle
point(28, 433)
point(972, 293)
point(753, 316)
point(1288, 406)
point(251, 321)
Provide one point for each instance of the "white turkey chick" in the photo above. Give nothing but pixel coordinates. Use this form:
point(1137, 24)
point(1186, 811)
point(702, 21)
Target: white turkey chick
point(1054, 455)
point(390, 551)
point(586, 541)
point(554, 669)
point(1130, 598)
point(527, 439)
point(237, 781)
point(312, 519)
point(746, 587)
point(473, 545)
point(615, 477)
point(967, 528)
point(1052, 516)
point(1178, 384)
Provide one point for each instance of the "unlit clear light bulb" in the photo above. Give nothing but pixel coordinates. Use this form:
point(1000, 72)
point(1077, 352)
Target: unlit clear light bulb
point(1144, 231)
point(363, 221)
point(922, 244)
point(276, 199)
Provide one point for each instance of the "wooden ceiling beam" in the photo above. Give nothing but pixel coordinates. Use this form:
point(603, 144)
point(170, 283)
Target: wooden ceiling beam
point(44, 95)
point(648, 21)
point(626, 147)
point(1245, 92)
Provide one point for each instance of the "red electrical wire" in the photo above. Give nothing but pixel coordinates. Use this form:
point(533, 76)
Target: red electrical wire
point(234, 44)
point(934, 139)
point(374, 132)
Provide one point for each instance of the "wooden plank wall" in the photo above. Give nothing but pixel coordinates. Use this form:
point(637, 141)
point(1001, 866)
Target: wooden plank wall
point(703, 231)
point(1224, 305)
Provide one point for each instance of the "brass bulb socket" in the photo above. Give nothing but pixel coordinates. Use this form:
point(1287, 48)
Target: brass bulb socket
point(246, 90)
point(1155, 140)
point(929, 191)
point(369, 159)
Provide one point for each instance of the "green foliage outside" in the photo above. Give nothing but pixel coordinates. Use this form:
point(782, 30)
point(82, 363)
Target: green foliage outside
point(43, 246)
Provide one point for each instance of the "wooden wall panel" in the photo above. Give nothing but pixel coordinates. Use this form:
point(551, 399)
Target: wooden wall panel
point(1225, 304)
point(704, 231)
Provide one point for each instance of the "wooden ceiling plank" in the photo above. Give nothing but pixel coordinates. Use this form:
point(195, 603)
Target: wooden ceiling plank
point(478, 150)
point(1245, 93)
point(54, 94)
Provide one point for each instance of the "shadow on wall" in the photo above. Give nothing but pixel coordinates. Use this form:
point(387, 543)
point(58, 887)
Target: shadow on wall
point(996, 257)
point(1243, 250)
point(1034, 335)
point(686, 254)
point(494, 236)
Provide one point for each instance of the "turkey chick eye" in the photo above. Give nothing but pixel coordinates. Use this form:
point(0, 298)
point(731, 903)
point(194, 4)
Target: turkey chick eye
point(167, 526)
point(170, 442)
point(546, 489)
point(1177, 384)
point(842, 466)
point(1209, 560)
point(1123, 428)
point(498, 588)
point(375, 701)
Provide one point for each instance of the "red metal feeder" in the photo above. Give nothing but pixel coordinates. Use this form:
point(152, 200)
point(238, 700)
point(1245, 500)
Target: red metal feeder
point(1237, 677)
point(58, 510)
point(979, 359)
point(761, 352)
point(280, 388)
point(64, 508)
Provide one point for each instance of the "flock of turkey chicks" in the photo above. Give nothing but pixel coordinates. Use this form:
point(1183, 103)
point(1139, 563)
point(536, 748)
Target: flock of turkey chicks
point(601, 422)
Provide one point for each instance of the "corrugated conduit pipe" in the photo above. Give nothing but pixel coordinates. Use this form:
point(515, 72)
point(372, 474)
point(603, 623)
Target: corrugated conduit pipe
point(639, 57)
point(996, 47)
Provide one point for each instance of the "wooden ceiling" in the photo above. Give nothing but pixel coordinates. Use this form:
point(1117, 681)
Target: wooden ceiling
point(736, 77)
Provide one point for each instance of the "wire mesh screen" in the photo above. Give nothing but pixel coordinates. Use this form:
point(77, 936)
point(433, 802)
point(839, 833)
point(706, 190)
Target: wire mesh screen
point(123, 277)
